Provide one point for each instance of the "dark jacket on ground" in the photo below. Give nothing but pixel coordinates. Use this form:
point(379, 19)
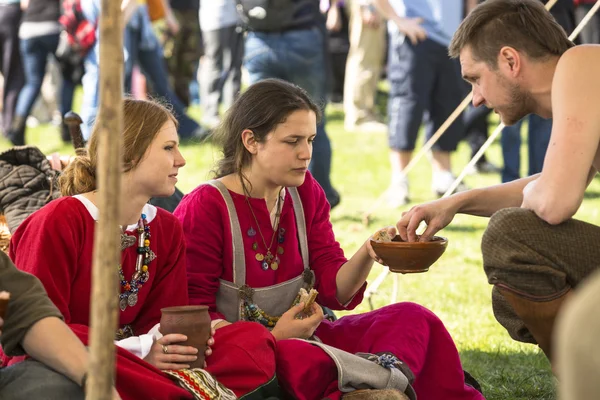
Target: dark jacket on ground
point(27, 183)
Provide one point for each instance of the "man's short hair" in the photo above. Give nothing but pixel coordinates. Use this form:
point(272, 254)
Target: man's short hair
point(524, 25)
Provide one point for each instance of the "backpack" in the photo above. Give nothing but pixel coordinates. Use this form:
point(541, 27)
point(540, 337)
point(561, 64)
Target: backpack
point(79, 34)
point(276, 15)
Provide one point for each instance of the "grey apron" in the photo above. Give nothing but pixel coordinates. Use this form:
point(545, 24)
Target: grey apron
point(354, 372)
point(273, 300)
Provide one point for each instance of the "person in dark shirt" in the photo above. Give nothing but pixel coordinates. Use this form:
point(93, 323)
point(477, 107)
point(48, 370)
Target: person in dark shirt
point(59, 361)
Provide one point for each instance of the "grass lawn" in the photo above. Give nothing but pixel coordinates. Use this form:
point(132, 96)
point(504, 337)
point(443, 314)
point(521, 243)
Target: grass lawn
point(455, 288)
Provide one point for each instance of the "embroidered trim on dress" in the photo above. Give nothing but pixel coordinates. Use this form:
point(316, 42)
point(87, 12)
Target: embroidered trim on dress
point(201, 384)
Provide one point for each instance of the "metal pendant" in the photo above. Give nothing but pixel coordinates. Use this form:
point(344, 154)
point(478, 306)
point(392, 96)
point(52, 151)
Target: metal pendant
point(150, 257)
point(132, 300)
point(275, 266)
point(265, 266)
point(259, 257)
point(127, 241)
point(251, 232)
point(269, 257)
point(279, 250)
point(123, 304)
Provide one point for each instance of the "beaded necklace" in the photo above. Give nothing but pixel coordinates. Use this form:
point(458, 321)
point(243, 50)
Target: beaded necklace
point(129, 290)
point(270, 258)
point(252, 312)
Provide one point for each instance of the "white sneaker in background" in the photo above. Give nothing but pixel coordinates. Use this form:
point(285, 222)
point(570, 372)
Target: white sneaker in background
point(366, 126)
point(371, 127)
point(441, 182)
point(484, 167)
point(32, 122)
point(210, 122)
point(487, 167)
point(398, 193)
point(472, 170)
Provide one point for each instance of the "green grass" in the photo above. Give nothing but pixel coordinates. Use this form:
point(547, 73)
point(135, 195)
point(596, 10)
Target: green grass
point(455, 288)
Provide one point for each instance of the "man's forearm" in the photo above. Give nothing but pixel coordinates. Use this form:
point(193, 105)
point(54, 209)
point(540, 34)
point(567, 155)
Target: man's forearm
point(52, 342)
point(486, 201)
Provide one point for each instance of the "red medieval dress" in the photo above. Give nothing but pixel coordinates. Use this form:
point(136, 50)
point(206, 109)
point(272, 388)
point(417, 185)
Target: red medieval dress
point(409, 331)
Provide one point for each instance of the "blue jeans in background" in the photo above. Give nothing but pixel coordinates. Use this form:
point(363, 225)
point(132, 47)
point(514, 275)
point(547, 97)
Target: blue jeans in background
point(34, 53)
point(142, 48)
point(296, 56)
point(538, 139)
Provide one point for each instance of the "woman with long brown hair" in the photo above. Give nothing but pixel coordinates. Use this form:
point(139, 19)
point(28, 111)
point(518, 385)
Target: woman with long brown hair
point(261, 231)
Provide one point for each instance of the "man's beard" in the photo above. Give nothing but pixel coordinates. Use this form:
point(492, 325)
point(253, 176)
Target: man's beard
point(520, 105)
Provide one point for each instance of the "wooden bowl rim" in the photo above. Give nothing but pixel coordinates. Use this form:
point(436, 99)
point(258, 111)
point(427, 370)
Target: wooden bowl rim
point(437, 241)
point(190, 308)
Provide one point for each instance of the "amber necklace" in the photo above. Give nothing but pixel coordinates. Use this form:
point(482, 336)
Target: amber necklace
point(268, 259)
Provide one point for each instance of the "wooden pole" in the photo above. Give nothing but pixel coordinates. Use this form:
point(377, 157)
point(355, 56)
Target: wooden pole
point(107, 255)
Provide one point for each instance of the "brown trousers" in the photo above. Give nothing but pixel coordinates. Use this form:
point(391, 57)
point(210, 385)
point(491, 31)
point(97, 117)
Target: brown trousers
point(535, 260)
point(363, 67)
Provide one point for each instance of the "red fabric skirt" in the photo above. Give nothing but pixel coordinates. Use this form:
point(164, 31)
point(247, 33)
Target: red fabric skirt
point(409, 331)
point(243, 357)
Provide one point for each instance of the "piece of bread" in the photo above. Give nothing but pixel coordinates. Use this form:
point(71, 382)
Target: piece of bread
point(382, 235)
point(308, 298)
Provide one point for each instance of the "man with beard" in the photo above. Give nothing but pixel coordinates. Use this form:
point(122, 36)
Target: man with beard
point(519, 61)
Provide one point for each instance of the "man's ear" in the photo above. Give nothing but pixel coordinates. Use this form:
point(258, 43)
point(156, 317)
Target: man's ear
point(249, 140)
point(509, 59)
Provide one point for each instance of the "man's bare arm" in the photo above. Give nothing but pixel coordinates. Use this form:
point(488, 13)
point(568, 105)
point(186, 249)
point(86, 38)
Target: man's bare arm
point(480, 202)
point(411, 27)
point(52, 342)
point(486, 201)
point(558, 193)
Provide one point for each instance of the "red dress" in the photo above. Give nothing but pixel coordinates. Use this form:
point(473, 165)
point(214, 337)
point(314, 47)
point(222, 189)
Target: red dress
point(409, 331)
point(55, 244)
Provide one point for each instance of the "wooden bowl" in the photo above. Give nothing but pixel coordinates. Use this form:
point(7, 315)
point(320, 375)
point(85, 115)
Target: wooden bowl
point(410, 257)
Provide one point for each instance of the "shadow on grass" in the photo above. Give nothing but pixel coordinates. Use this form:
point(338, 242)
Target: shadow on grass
point(511, 375)
point(349, 218)
point(463, 228)
point(355, 219)
point(591, 195)
point(381, 102)
point(335, 115)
